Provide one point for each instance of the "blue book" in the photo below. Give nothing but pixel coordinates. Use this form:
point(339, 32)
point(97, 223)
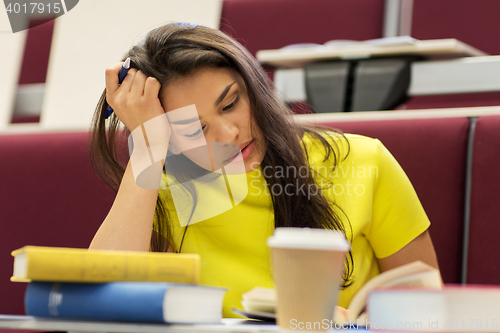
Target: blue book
point(126, 301)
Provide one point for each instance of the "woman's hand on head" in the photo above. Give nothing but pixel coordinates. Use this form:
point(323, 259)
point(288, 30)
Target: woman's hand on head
point(135, 101)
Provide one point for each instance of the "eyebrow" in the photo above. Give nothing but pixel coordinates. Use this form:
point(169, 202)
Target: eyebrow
point(224, 93)
point(217, 102)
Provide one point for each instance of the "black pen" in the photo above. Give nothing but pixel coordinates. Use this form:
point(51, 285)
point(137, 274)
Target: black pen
point(121, 76)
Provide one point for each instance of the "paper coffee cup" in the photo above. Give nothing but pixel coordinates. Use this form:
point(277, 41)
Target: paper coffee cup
point(307, 267)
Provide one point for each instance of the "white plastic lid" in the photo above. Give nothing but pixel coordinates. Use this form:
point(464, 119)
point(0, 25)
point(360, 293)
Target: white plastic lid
point(307, 238)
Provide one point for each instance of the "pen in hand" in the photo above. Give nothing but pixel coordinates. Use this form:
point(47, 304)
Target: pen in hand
point(121, 76)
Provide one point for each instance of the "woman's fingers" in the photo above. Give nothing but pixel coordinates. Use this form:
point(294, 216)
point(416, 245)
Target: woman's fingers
point(136, 100)
point(120, 97)
point(152, 88)
point(137, 88)
point(126, 85)
point(114, 88)
point(112, 78)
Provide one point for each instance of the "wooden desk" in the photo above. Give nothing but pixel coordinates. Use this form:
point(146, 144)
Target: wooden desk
point(432, 49)
point(318, 118)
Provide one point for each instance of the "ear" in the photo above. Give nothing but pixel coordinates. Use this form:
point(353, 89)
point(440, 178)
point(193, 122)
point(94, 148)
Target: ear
point(173, 149)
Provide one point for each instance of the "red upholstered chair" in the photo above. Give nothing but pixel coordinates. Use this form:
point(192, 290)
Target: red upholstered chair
point(263, 24)
point(475, 23)
point(49, 196)
point(484, 246)
point(433, 154)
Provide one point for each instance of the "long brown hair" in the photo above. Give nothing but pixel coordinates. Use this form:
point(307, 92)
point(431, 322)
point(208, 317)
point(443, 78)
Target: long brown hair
point(176, 50)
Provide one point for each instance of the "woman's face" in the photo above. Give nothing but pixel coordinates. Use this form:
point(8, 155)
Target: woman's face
point(210, 106)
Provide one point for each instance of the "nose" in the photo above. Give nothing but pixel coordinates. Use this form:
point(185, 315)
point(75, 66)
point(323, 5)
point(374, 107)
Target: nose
point(226, 131)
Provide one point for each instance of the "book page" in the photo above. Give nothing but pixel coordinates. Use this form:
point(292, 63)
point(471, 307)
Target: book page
point(357, 303)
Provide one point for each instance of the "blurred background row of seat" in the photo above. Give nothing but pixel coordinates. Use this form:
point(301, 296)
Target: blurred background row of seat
point(262, 24)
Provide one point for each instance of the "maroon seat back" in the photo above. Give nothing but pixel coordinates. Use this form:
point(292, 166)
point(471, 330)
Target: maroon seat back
point(433, 154)
point(50, 196)
point(475, 23)
point(483, 261)
point(264, 24)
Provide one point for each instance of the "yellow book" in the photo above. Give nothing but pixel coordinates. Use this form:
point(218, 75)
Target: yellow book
point(58, 264)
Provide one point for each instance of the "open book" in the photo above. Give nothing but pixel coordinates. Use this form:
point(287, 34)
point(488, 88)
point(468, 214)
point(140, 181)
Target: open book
point(260, 303)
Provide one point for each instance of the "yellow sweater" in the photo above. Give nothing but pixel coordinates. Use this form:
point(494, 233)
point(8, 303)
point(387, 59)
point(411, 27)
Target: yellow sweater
point(371, 188)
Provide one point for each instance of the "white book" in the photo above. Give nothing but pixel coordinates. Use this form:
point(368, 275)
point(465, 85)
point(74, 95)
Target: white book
point(460, 309)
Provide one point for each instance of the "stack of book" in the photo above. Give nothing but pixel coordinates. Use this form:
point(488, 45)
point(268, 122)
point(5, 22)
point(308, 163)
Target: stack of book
point(106, 285)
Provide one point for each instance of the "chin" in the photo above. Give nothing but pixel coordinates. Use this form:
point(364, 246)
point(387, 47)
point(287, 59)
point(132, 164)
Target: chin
point(252, 164)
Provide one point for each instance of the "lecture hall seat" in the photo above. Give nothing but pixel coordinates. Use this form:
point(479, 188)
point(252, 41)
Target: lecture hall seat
point(432, 152)
point(473, 22)
point(484, 246)
point(50, 196)
point(263, 24)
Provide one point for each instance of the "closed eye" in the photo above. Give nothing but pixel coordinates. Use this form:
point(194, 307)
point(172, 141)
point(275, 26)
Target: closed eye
point(232, 105)
point(226, 108)
point(195, 134)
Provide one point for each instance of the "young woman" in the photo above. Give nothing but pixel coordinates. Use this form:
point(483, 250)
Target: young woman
point(295, 175)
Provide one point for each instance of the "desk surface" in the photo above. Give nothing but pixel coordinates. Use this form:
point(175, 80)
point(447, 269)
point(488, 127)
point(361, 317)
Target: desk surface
point(32, 323)
point(337, 117)
point(433, 49)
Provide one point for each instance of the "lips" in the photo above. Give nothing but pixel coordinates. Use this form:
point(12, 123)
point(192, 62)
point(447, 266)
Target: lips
point(242, 147)
point(245, 144)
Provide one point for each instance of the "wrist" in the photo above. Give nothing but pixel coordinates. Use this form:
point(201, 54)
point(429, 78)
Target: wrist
point(148, 145)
